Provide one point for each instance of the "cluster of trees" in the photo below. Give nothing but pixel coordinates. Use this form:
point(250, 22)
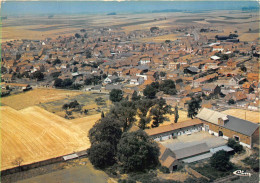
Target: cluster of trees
point(66, 83)
point(38, 75)
point(146, 108)
point(166, 86)
point(72, 105)
point(221, 161)
point(95, 80)
point(112, 145)
point(235, 145)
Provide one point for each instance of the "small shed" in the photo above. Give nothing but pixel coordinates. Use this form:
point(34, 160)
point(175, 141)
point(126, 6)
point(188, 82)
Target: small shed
point(70, 156)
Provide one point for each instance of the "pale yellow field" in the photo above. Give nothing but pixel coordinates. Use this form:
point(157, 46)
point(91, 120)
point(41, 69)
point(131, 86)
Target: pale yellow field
point(36, 96)
point(244, 114)
point(35, 135)
point(171, 37)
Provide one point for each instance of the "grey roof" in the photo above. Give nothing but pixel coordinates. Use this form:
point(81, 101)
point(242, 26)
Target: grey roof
point(191, 151)
point(225, 148)
point(143, 67)
point(111, 87)
point(235, 124)
point(193, 69)
point(242, 126)
point(197, 158)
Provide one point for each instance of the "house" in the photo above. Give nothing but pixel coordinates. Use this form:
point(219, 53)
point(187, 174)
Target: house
point(111, 79)
point(8, 77)
point(236, 96)
point(253, 77)
point(211, 89)
point(236, 80)
point(175, 129)
point(167, 158)
point(136, 80)
point(145, 60)
point(220, 124)
point(18, 86)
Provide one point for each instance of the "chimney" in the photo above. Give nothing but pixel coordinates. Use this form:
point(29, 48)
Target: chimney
point(222, 121)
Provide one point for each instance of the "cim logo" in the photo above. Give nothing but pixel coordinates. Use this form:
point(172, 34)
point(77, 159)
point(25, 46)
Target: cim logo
point(241, 173)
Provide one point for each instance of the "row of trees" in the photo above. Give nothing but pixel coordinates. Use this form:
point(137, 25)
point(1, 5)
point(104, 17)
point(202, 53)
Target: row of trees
point(166, 86)
point(66, 83)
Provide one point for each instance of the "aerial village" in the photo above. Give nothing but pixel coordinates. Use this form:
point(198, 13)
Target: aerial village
point(222, 72)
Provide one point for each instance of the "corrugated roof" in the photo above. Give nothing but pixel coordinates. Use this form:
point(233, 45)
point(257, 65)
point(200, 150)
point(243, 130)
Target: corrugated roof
point(71, 156)
point(191, 151)
point(225, 148)
point(210, 115)
point(171, 127)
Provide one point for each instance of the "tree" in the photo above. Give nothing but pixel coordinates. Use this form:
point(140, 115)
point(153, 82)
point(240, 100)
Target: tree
point(143, 107)
point(143, 122)
point(102, 155)
point(77, 35)
point(137, 152)
point(58, 82)
point(135, 96)
point(150, 92)
point(116, 95)
point(168, 87)
point(88, 53)
point(125, 112)
point(65, 106)
point(220, 161)
point(102, 114)
point(235, 145)
point(243, 68)
point(159, 111)
point(154, 29)
point(75, 69)
point(176, 114)
point(106, 129)
point(231, 101)
point(88, 81)
point(162, 74)
point(194, 106)
point(55, 74)
point(67, 82)
point(38, 75)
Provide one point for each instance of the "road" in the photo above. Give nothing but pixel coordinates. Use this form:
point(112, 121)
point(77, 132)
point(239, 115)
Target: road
point(196, 34)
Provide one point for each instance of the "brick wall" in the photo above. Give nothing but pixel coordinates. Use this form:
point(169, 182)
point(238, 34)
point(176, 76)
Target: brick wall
point(229, 133)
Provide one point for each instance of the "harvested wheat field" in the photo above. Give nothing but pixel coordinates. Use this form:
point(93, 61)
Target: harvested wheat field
point(244, 114)
point(34, 134)
point(36, 96)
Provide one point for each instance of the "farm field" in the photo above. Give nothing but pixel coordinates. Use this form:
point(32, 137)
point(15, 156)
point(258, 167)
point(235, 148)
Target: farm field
point(36, 96)
point(80, 174)
point(42, 27)
point(244, 114)
point(35, 134)
point(86, 100)
point(171, 37)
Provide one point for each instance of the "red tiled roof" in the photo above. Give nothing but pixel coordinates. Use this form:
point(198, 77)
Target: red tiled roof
point(173, 126)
